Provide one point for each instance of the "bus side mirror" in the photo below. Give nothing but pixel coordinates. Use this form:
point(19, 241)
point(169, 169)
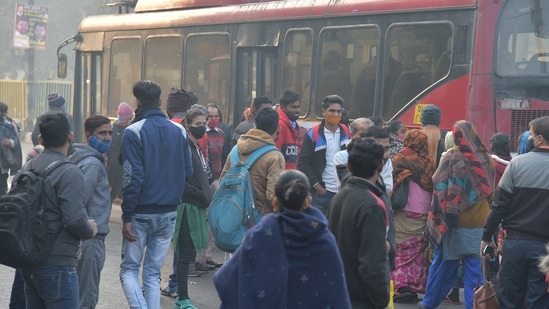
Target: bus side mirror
point(62, 66)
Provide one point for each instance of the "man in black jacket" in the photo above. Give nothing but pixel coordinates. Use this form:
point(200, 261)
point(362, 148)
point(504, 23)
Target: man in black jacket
point(359, 221)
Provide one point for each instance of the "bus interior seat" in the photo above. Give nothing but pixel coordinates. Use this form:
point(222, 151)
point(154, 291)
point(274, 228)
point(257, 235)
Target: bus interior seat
point(538, 64)
point(407, 86)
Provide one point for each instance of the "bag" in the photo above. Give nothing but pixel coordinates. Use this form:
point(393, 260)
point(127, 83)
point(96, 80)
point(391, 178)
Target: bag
point(24, 235)
point(399, 199)
point(232, 210)
point(485, 296)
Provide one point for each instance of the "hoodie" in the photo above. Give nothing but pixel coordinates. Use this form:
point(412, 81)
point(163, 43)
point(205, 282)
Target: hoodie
point(264, 171)
point(97, 196)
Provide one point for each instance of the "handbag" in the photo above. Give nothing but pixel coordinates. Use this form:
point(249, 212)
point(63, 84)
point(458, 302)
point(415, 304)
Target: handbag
point(485, 296)
point(399, 199)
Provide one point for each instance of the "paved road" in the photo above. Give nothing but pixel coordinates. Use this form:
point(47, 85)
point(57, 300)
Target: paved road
point(201, 289)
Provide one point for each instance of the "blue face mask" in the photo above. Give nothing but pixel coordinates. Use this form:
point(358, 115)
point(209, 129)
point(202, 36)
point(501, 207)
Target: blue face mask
point(101, 145)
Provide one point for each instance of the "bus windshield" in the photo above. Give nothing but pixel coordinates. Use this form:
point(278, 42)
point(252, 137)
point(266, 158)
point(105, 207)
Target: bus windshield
point(523, 38)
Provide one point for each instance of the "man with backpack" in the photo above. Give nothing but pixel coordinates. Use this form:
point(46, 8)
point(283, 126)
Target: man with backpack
point(54, 282)
point(265, 170)
point(90, 159)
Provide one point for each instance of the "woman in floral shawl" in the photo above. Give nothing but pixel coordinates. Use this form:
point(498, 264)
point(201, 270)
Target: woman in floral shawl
point(463, 185)
point(411, 263)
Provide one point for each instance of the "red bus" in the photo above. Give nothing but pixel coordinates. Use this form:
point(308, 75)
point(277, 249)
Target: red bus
point(482, 60)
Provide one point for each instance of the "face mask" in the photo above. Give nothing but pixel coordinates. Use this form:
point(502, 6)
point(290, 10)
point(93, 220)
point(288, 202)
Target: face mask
point(197, 132)
point(101, 145)
point(292, 117)
point(332, 120)
point(213, 123)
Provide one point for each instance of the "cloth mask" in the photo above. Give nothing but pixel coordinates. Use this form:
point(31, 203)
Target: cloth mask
point(197, 132)
point(101, 145)
point(292, 117)
point(332, 120)
point(213, 123)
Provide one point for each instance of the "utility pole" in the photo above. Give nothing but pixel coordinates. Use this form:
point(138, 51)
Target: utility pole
point(31, 104)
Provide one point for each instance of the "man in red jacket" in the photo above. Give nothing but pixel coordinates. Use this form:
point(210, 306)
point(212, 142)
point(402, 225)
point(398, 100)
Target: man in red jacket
point(288, 139)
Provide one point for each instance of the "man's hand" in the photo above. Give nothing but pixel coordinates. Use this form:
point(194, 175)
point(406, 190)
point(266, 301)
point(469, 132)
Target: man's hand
point(127, 232)
point(93, 225)
point(487, 250)
point(319, 189)
point(6, 142)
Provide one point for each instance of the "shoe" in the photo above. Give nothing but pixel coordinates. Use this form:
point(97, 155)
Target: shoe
point(420, 305)
point(404, 295)
point(214, 264)
point(183, 304)
point(201, 267)
point(169, 292)
point(193, 272)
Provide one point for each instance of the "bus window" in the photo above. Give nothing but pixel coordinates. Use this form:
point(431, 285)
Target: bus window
point(296, 73)
point(347, 68)
point(163, 62)
point(125, 70)
point(523, 47)
point(417, 55)
point(207, 68)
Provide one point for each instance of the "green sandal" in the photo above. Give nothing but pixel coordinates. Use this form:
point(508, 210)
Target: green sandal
point(183, 304)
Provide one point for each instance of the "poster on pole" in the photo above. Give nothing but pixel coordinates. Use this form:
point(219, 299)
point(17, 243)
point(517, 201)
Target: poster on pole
point(30, 27)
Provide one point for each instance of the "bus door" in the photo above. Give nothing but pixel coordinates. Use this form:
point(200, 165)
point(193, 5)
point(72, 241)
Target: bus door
point(87, 94)
point(255, 75)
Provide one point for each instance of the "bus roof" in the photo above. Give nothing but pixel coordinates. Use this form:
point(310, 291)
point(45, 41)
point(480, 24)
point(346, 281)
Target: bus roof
point(165, 5)
point(257, 11)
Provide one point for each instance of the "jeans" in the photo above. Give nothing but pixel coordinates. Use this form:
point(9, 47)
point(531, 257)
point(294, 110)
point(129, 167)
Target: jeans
point(17, 299)
point(322, 202)
point(172, 283)
point(90, 265)
point(522, 285)
point(442, 276)
point(187, 255)
point(51, 287)
point(154, 234)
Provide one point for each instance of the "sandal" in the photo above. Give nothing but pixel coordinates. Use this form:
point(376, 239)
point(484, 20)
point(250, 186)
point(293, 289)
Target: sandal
point(183, 304)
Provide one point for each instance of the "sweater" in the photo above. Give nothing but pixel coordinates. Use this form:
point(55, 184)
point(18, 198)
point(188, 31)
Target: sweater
point(288, 140)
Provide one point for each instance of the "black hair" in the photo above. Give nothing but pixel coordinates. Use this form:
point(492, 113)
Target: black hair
point(95, 121)
point(194, 98)
point(192, 114)
point(540, 126)
point(332, 99)
point(291, 189)
point(147, 92)
point(54, 129)
point(213, 105)
point(393, 126)
point(378, 121)
point(365, 156)
point(3, 108)
point(375, 132)
point(261, 99)
point(499, 145)
point(289, 97)
point(267, 120)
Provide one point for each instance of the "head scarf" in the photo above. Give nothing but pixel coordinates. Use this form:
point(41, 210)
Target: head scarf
point(465, 176)
point(414, 161)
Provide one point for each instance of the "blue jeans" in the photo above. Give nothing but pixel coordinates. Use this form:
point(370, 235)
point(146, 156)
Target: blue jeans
point(522, 285)
point(154, 234)
point(52, 287)
point(90, 265)
point(322, 202)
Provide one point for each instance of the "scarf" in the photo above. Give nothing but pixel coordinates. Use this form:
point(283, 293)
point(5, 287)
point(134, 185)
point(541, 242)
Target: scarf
point(414, 161)
point(465, 176)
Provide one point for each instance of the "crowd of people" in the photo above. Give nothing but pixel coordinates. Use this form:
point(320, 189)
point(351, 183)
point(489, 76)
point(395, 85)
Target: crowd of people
point(332, 234)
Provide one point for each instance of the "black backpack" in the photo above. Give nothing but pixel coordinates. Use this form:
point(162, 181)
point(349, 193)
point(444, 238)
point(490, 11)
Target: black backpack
point(25, 238)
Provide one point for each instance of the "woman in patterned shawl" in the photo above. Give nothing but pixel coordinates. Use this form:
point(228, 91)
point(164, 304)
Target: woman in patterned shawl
point(463, 185)
point(411, 263)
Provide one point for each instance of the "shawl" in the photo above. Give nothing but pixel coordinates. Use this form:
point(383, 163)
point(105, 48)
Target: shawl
point(465, 176)
point(11, 158)
point(288, 260)
point(414, 161)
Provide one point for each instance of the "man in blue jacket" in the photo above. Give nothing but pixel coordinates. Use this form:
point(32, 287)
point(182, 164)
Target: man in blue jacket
point(157, 163)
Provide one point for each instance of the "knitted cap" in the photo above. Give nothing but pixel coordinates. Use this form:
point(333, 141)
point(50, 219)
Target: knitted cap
point(56, 100)
point(430, 115)
point(125, 111)
point(179, 101)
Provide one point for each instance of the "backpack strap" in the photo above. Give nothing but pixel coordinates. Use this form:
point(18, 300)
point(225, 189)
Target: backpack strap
point(258, 153)
point(234, 156)
point(51, 167)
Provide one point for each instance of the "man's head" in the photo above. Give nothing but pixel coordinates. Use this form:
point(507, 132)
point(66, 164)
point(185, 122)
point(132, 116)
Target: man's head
point(539, 131)
point(3, 109)
point(147, 93)
point(378, 121)
point(178, 101)
point(332, 109)
point(359, 125)
point(215, 116)
point(430, 115)
point(98, 132)
point(55, 130)
point(259, 103)
point(22, 25)
point(39, 31)
point(267, 120)
point(56, 101)
point(381, 136)
point(290, 103)
point(365, 157)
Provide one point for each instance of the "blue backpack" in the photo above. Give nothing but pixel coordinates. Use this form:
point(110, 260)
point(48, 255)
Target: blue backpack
point(232, 210)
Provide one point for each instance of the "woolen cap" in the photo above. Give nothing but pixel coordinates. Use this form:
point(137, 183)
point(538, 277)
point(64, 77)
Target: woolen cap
point(430, 115)
point(56, 100)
